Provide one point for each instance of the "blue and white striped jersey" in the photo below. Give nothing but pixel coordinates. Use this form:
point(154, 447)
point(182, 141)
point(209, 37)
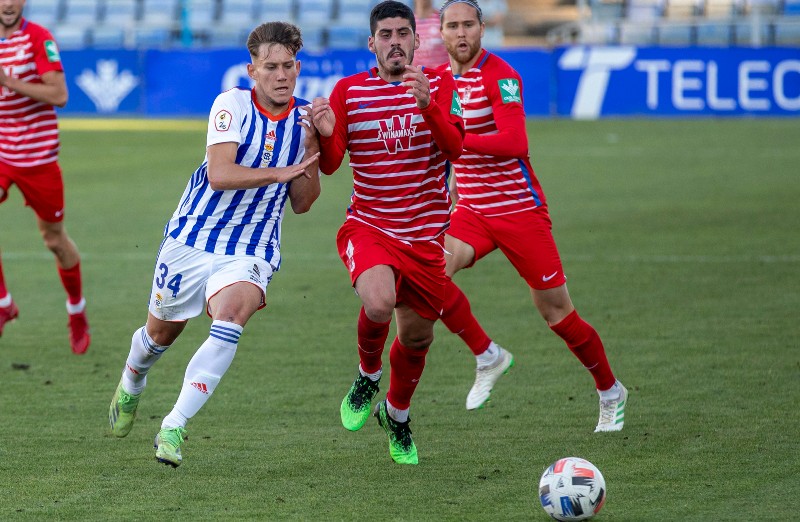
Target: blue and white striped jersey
point(241, 222)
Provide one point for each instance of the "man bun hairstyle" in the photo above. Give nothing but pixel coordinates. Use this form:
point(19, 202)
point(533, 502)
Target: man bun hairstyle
point(471, 3)
point(281, 33)
point(391, 9)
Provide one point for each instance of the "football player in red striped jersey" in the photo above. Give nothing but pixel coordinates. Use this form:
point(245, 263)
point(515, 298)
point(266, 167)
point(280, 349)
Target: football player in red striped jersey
point(501, 206)
point(401, 125)
point(31, 84)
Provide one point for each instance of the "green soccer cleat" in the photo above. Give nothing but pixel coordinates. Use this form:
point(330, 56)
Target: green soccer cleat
point(168, 445)
point(401, 447)
point(357, 404)
point(122, 411)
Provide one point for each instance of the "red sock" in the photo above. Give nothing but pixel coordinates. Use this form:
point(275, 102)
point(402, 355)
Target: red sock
point(3, 289)
point(371, 340)
point(584, 342)
point(71, 279)
point(458, 318)
point(406, 369)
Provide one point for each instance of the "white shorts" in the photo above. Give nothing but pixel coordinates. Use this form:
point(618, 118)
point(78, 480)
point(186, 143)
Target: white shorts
point(186, 278)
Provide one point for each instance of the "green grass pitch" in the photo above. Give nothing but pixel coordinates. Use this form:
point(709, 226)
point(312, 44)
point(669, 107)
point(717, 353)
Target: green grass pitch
point(681, 243)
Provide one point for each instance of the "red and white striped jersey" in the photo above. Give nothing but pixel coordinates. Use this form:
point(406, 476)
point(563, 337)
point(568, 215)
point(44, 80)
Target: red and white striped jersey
point(431, 52)
point(494, 175)
point(398, 152)
point(28, 128)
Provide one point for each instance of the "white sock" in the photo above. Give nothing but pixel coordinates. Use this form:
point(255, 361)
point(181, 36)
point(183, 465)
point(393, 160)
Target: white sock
point(374, 377)
point(5, 302)
point(488, 357)
point(610, 394)
point(143, 354)
point(76, 308)
point(396, 414)
point(204, 372)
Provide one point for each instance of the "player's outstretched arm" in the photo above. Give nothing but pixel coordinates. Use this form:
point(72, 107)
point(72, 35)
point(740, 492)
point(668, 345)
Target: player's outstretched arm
point(225, 174)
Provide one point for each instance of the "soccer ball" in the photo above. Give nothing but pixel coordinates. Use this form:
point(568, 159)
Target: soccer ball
point(572, 489)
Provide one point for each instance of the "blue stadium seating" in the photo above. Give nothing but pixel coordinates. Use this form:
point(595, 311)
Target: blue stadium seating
point(314, 12)
point(159, 13)
point(238, 14)
point(275, 10)
point(744, 33)
point(787, 33)
point(108, 37)
point(152, 37)
point(71, 37)
point(791, 8)
point(343, 23)
point(637, 33)
point(80, 13)
point(43, 12)
point(348, 37)
point(120, 13)
point(713, 34)
point(679, 34)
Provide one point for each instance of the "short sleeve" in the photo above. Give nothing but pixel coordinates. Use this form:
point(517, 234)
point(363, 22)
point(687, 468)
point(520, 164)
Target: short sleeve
point(225, 120)
point(46, 53)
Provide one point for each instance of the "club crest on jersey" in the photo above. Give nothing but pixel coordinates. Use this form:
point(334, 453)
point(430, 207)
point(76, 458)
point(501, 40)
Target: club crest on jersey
point(51, 51)
point(269, 141)
point(269, 146)
point(397, 133)
point(455, 105)
point(222, 121)
point(466, 95)
point(509, 89)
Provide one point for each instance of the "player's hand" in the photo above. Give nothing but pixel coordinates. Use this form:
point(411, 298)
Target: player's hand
point(322, 115)
point(311, 141)
point(418, 85)
point(287, 174)
point(2, 77)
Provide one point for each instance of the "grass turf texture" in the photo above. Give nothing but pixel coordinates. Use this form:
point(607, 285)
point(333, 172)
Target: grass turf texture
point(681, 246)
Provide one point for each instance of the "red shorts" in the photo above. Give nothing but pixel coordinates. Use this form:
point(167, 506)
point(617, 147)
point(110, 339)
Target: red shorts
point(525, 238)
point(418, 266)
point(42, 187)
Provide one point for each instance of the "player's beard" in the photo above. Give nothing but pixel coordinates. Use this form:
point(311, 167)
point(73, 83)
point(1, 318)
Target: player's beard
point(465, 56)
point(13, 22)
point(398, 68)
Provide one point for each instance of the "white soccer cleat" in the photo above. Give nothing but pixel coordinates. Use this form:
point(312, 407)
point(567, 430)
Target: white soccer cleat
point(612, 412)
point(486, 377)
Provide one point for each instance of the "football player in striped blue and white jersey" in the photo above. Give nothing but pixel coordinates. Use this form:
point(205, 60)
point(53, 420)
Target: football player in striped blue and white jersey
point(222, 244)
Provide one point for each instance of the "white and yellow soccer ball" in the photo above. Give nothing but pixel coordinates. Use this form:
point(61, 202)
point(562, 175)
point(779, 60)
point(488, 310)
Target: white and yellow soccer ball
point(572, 488)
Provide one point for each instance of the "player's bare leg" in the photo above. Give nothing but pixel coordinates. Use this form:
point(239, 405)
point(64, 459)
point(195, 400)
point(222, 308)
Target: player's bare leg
point(68, 262)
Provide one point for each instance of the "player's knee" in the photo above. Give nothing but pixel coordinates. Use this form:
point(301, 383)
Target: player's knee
point(379, 309)
point(54, 241)
point(416, 342)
